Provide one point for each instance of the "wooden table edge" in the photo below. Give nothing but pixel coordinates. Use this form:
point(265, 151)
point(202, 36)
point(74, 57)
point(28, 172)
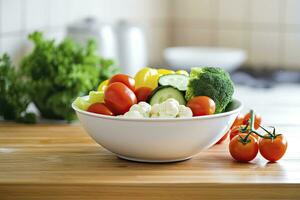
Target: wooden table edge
point(150, 191)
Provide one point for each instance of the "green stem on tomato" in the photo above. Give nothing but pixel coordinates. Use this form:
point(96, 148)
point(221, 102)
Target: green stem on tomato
point(251, 125)
point(262, 136)
point(271, 134)
point(252, 130)
point(243, 129)
point(245, 139)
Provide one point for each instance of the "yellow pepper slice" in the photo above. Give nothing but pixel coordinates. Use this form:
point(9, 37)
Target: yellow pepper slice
point(165, 71)
point(146, 77)
point(96, 97)
point(82, 103)
point(103, 85)
point(183, 72)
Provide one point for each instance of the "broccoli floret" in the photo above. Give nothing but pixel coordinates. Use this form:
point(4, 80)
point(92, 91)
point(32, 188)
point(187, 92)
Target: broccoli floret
point(212, 82)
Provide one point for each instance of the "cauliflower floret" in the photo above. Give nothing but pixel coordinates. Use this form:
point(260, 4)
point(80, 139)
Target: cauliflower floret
point(172, 100)
point(154, 115)
point(169, 108)
point(133, 114)
point(135, 107)
point(164, 115)
point(143, 108)
point(155, 109)
point(184, 111)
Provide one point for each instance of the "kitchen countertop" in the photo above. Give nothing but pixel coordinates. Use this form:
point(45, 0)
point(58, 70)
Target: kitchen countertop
point(59, 161)
point(63, 162)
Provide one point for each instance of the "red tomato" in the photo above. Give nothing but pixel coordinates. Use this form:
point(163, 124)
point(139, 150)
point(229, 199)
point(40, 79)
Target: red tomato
point(238, 120)
point(202, 105)
point(243, 152)
point(123, 78)
point(119, 98)
point(236, 131)
point(223, 138)
point(257, 120)
point(100, 108)
point(143, 93)
point(273, 149)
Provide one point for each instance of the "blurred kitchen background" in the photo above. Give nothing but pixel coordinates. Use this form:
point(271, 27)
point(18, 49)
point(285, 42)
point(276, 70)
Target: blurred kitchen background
point(266, 34)
point(268, 30)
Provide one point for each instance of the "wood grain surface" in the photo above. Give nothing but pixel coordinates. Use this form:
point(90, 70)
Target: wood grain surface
point(62, 162)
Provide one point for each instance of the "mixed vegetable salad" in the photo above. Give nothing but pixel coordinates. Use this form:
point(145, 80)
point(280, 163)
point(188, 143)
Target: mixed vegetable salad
point(164, 93)
point(161, 93)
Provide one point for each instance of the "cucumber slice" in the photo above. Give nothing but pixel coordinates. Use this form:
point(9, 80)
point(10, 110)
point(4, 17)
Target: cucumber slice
point(163, 93)
point(178, 81)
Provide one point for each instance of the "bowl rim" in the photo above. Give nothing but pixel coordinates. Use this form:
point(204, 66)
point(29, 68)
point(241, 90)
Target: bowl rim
point(238, 109)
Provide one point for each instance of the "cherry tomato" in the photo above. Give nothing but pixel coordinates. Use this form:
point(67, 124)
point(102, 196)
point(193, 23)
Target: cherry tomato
point(236, 131)
point(257, 120)
point(100, 108)
point(123, 78)
point(273, 149)
point(238, 120)
point(143, 93)
point(223, 138)
point(202, 105)
point(243, 152)
point(119, 98)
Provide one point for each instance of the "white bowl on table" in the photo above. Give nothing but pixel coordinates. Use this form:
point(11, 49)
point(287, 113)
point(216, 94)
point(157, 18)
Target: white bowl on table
point(157, 139)
point(186, 57)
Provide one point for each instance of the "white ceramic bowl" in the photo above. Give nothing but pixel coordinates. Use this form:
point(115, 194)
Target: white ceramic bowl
point(187, 57)
point(157, 140)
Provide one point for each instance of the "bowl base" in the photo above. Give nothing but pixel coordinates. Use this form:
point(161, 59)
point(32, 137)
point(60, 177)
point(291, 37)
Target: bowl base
point(152, 161)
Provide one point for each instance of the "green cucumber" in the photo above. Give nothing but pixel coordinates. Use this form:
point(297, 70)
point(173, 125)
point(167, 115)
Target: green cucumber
point(178, 81)
point(162, 93)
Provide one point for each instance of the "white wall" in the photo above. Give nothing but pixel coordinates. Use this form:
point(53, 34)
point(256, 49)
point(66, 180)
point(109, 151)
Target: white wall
point(20, 17)
point(268, 29)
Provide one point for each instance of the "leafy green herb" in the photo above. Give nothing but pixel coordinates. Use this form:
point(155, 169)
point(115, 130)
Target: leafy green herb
point(14, 96)
point(57, 73)
point(108, 68)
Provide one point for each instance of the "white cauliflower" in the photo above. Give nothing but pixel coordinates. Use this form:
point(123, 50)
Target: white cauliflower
point(169, 108)
point(155, 109)
point(184, 111)
point(155, 115)
point(133, 114)
point(172, 100)
point(146, 107)
point(142, 107)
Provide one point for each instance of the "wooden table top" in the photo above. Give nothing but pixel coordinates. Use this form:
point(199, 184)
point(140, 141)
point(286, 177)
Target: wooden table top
point(62, 162)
